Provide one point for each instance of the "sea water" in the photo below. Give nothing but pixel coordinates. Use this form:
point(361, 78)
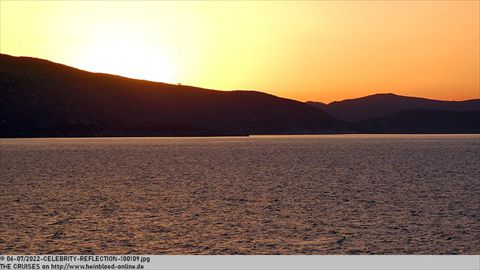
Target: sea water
point(323, 194)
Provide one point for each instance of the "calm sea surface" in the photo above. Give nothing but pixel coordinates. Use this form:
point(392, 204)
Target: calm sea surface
point(338, 194)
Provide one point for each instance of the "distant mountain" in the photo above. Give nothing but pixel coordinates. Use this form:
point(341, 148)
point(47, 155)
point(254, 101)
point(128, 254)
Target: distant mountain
point(42, 98)
point(383, 105)
point(422, 121)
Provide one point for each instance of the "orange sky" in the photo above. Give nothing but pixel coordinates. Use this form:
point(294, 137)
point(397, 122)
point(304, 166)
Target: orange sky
point(306, 50)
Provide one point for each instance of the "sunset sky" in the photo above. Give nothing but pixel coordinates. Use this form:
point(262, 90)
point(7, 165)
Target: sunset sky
point(307, 50)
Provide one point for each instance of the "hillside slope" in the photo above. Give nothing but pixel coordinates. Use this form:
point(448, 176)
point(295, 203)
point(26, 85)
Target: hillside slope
point(42, 98)
point(383, 105)
point(423, 121)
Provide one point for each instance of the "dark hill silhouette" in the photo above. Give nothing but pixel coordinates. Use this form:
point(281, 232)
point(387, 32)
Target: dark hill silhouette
point(423, 121)
point(42, 98)
point(383, 105)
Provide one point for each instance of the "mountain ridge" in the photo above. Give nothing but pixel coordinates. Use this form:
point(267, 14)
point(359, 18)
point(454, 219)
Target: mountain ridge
point(391, 94)
point(40, 97)
point(385, 104)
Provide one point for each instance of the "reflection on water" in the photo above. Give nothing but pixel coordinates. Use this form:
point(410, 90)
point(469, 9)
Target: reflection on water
point(326, 194)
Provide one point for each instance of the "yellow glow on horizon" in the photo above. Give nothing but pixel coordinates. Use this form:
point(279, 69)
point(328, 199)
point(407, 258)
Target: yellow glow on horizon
point(127, 58)
point(304, 50)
